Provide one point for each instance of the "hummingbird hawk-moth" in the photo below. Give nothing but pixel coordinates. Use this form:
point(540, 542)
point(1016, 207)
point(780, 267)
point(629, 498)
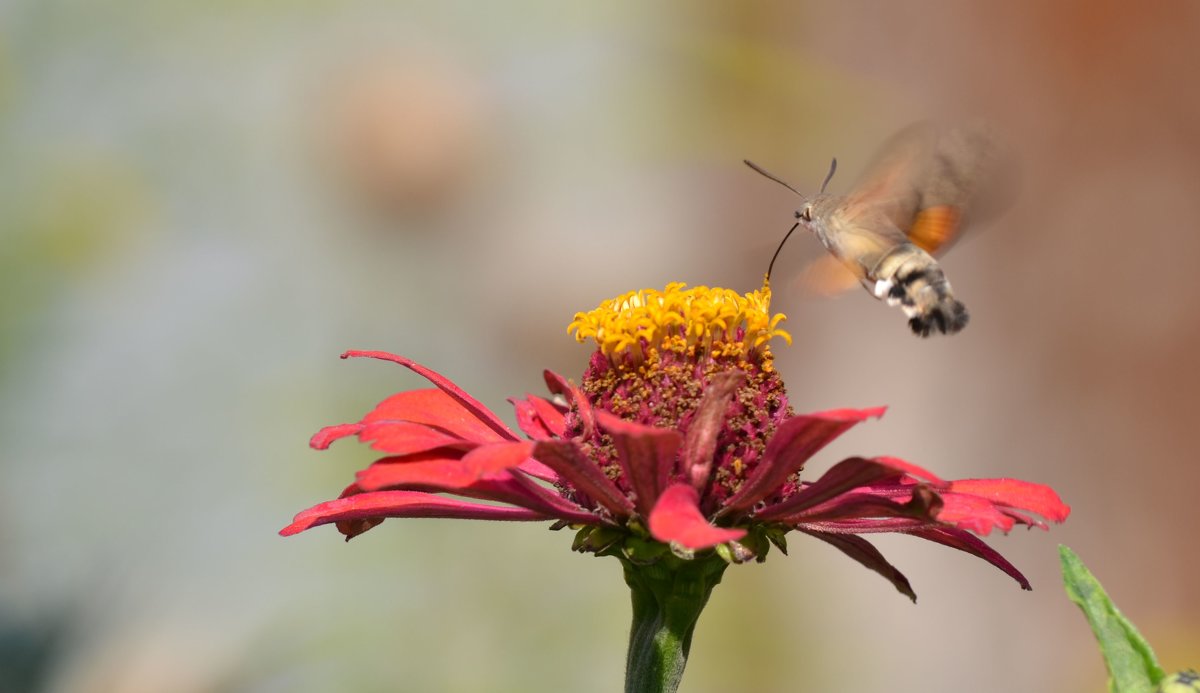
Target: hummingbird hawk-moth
point(912, 203)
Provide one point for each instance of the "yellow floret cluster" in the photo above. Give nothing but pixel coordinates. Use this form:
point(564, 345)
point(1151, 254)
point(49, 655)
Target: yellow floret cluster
point(699, 317)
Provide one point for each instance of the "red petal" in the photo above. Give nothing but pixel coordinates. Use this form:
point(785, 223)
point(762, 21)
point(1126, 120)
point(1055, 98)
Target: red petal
point(540, 419)
point(446, 385)
point(923, 504)
point(488, 460)
point(575, 398)
point(382, 504)
point(405, 438)
point(647, 456)
point(444, 469)
point(528, 420)
point(565, 457)
point(963, 541)
point(843, 477)
point(865, 525)
point(453, 476)
point(325, 437)
point(1014, 493)
point(974, 514)
point(353, 527)
point(553, 415)
point(447, 474)
point(548, 500)
point(437, 409)
point(867, 555)
point(557, 384)
point(676, 518)
point(700, 447)
point(538, 470)
point(795, 441)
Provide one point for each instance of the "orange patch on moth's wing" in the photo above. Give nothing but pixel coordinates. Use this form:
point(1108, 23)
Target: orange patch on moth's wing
point(935, 228)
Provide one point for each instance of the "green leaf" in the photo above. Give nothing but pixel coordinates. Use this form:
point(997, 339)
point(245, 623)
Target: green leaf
point(1132, 667)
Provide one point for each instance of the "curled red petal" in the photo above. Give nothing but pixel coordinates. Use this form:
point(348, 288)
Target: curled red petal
point(488, 460)
point(867, 555)
point(1017, 494)
point(325, 437)
point(795, 441)
point(404, 438)
point(538, 418)
point(384, 504)
point(548, 500)
point(538, 470)
point(452, 476)
point(425, 473)
point(699, 449)
point(528, 420)
point(965, 541)
point(575, 398)
point(565, 458)
point(443, 383)
point(447, 469)
point(974, 514)
point(923, 504)
point(646, 454)
point(551, 414)
point(843, 477)
point(676, 518)
point(436, 409)
point(864, 525)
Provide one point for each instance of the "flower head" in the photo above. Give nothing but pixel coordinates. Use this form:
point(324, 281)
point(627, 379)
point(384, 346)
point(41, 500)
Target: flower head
point(678, 441)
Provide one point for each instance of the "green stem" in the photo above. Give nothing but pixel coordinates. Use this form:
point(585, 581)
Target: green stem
point(668, 597)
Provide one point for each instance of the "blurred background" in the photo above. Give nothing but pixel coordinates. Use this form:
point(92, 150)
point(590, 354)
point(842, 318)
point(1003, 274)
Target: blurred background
point(203, 204)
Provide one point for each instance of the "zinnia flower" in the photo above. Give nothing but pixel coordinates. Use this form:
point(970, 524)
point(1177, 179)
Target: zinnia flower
point(677, 453)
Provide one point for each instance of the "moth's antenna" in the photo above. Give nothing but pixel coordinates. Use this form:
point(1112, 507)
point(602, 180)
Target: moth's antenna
point(829, 176)
point(785, 237)
point(762, 171)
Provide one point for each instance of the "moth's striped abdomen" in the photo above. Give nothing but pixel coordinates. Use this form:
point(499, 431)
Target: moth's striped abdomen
point(910, 278)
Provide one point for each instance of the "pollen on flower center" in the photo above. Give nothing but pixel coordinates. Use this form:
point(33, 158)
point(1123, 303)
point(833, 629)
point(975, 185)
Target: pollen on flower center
point(660, 352)
point(678, 318)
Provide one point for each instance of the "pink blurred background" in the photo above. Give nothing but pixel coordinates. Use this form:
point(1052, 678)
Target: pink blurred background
point(202, 205)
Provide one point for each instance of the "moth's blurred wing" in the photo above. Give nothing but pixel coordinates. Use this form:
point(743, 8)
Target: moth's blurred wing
point(826, 276)
point(970, 169)
point(933, 181)
point(892, 180)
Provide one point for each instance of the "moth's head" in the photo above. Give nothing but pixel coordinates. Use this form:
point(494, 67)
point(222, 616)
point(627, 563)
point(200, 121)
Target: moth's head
point(813, 206)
